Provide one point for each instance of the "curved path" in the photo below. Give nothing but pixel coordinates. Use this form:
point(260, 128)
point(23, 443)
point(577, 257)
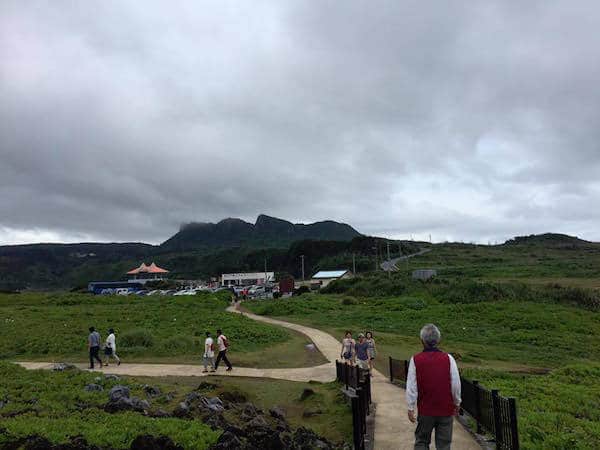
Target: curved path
point(393, 430)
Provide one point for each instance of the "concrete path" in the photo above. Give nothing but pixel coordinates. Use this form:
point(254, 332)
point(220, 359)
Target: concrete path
point(393, 430)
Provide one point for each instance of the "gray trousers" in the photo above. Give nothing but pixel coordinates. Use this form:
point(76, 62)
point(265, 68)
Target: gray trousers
point(443, 432)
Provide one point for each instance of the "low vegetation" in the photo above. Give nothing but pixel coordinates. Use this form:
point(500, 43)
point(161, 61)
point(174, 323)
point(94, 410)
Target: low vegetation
point(54, 326)
point(502, 333)
point(56, 406)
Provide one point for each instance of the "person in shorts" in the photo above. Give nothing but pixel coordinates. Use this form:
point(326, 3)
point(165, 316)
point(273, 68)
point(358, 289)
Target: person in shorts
point(371, 349)
point(110, 348)
point(348, 344)
point(209, 353)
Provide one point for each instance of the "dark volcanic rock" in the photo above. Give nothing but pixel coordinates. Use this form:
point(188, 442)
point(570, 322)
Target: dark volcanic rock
point(118, 392)
point(160, 413)
point(277, 412)
point(207, 386)
point(113, 377)
point(305, 439)
point(306, 393)
point(93, 387)
point(148, 442)
point(182, 410)
point(60, 367)
point(151, 391)
point(233, 397)
point(249, 412)
point(215, 420)
point(228, 441)
point(311, 412)
point(127, 404)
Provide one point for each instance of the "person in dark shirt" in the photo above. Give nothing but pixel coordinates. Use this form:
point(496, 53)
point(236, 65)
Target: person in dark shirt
point(94, 347)
point(362, 352)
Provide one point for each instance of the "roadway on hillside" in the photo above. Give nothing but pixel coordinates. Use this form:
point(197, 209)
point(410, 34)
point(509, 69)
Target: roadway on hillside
point(393, 430)
point(391, 265)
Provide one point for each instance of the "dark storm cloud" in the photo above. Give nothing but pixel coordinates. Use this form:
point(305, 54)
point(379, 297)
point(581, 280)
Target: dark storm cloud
point(120, 120)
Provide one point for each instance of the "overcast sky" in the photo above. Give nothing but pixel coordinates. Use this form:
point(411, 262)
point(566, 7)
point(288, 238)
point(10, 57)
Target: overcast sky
point(472, 121)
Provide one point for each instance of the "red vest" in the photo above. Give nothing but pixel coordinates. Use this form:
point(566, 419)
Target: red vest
point(433, 383)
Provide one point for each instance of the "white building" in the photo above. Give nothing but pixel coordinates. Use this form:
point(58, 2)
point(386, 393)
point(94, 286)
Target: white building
point(246, 279)
point(324, 277)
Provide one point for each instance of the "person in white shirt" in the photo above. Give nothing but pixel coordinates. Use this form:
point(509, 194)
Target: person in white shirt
point(110, 348)
point(222, 343)
point(433, 386)
point(209, 353)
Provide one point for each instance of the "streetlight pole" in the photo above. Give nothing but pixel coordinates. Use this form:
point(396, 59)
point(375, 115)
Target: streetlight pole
point(302, 258)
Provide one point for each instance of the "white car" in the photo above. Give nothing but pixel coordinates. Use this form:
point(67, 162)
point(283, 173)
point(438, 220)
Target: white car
point(186, 292)
point(256, 290)
point(154, 292)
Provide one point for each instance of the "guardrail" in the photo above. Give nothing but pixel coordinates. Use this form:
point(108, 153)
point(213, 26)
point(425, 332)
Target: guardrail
point(357, 388)
point(493, 413)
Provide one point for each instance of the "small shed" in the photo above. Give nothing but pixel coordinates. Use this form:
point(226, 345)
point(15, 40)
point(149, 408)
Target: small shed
point(324, 277)
point(424, 274)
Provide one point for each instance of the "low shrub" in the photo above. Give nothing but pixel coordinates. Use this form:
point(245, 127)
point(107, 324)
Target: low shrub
point(137, 338)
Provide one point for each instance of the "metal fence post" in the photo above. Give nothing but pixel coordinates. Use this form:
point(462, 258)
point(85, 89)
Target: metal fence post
point(477, 406)
point(391, 370)
point(514, 429)
point(497, 418)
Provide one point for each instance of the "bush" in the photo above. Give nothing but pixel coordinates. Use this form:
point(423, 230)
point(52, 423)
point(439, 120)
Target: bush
point(348, 301)
point(178, 343)
point(137, 338)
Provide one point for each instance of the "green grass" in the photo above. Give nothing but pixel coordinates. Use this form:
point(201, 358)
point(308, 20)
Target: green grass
point(54, 326)
point(335, 422)
point(557, 411)
point(54, 405)
point(496, 334)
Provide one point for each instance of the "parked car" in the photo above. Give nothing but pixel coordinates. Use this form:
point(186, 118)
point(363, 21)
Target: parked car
point(186, 292)
point(256, 290)
point(154, 292)
point(168, 292)
point(141, 292)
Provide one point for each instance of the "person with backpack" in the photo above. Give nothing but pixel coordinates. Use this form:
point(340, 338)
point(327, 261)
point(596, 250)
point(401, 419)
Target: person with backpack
point(209, 353)
point(110, 348)
point(223, 345)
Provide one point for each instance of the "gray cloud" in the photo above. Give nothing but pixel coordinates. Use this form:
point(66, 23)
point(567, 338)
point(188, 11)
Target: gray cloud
point(120, 120)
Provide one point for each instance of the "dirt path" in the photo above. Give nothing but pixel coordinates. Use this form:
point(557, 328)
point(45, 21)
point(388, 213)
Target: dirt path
point(393, 431)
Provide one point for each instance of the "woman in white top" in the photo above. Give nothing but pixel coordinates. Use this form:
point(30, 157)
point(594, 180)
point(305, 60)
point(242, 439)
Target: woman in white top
point(348, 344)
point(209, 353)
point(110, 349)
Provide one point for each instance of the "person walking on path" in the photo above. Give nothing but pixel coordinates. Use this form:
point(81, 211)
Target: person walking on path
point(433, 386)
point(223, 345)
point(94, 347)
point(209, 353)
point(348, 345)
point(110, 348)
point(362, 352)
point(371, 348)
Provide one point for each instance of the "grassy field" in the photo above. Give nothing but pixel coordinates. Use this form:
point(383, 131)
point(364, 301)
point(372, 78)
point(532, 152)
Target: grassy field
point(503, 331)
point(55, 406)
point(54, 327)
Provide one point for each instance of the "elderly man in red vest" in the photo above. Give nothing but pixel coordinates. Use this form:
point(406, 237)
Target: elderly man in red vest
point(433, 385)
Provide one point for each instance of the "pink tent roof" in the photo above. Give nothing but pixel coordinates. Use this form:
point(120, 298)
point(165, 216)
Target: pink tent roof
point(152, 268)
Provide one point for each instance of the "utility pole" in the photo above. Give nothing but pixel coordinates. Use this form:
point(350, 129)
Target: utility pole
point(265, 273)
point(302, 258)
point(353, 263)
point(389, 260)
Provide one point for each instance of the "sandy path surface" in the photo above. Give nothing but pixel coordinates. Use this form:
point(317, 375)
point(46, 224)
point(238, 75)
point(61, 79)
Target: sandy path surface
point(393, 430)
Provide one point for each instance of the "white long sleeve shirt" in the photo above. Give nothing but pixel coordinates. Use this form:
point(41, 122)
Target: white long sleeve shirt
point(412, 390)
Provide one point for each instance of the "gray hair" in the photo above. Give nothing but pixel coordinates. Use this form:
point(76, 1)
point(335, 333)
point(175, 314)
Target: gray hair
point(430, 335)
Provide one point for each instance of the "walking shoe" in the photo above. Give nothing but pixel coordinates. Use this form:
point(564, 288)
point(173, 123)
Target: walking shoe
point(229, 369)
point(118, 363)
point(205, 371)
point(213, 370)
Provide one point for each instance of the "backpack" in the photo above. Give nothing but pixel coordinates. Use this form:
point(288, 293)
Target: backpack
point(212, 346)
point(225, 342)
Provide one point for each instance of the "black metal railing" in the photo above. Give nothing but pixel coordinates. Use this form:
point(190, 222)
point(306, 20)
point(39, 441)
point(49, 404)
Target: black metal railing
point(357, 387)
point(493, 413)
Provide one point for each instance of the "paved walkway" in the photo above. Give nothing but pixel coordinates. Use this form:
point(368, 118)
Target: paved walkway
point(393, 430)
